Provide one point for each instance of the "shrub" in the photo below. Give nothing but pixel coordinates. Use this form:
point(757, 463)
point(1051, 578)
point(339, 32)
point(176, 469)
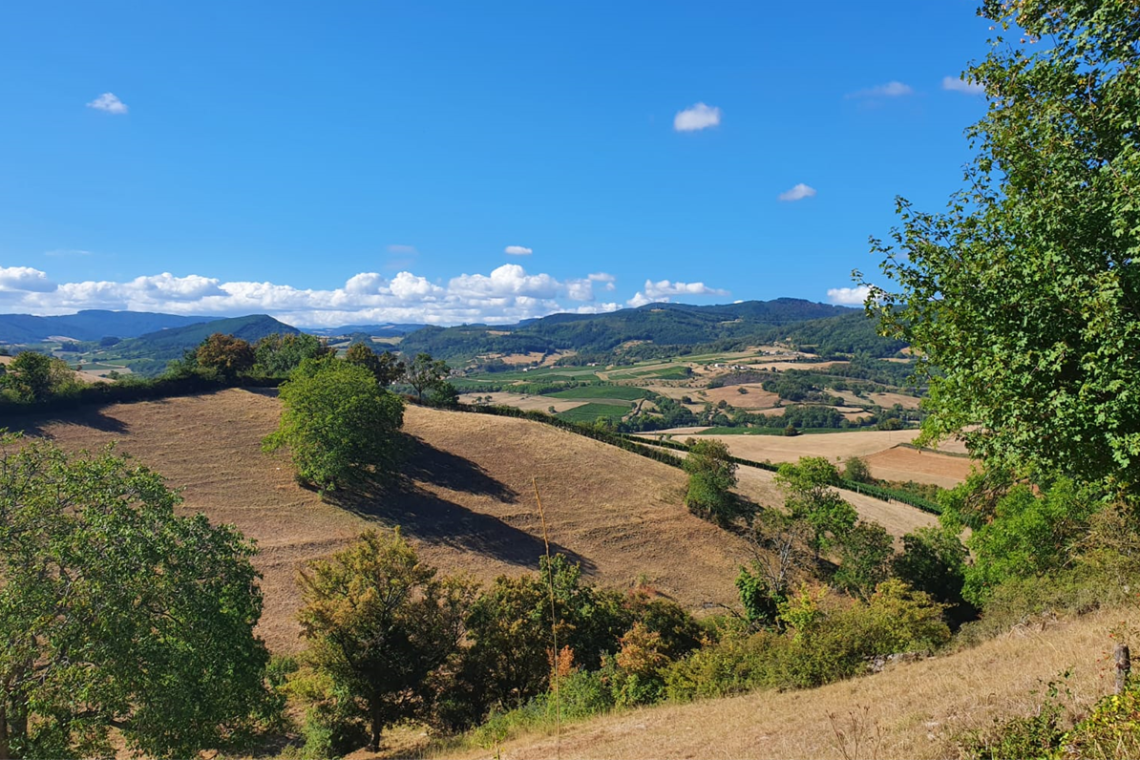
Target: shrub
point(857, 469)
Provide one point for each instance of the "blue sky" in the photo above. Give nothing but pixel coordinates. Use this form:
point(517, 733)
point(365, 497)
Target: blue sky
point(375, 161)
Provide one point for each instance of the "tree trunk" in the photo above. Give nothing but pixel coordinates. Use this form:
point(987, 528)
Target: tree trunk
point(377, 720)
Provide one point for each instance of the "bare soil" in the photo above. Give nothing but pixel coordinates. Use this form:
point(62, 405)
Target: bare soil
point(920, 466)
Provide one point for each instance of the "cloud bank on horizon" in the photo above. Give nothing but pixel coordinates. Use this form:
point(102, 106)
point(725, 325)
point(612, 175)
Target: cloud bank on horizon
point(504, 296)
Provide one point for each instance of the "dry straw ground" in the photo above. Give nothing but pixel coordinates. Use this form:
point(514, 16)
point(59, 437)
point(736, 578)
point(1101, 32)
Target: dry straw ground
point(468, 503)
point(911, 710)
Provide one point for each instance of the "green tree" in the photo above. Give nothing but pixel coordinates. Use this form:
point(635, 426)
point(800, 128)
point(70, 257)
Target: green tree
point(278, 354)
point(33, 377)
point(712, 475)
point(1029, 534)
point(809, 495)
point(857, 469)
point(121, 623)
point(1023, 294)
point(933, 561)
point(226, 355)
point(865, 554)
point(426, 373)
point(386, 367)
point(340, 426)
point(380, 625)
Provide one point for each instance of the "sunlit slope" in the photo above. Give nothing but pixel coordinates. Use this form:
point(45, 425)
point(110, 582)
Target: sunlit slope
point(469, 503)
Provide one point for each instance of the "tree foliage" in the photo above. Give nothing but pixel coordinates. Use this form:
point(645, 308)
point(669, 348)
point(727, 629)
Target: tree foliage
point(118, 617)
point(380, 626)
point(340, 426)
point(425, 373)
point(712, 475)
point(809, 495)
point(278, 354)
point(1025, 293)
point(33, 378)
point(225, 354)
point(386, 367)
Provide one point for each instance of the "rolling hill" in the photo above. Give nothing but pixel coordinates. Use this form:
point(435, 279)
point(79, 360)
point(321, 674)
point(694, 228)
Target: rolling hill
point(169, 344)
point(825, 328)
point(468, 503)
point(91, 324)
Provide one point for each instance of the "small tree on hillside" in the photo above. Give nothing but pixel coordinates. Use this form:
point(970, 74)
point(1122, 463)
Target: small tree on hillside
point(122, 624)
point(386, 367)
point(426, 373)
point(226, 355)
point(712, 475)
point(339, 425)
point(810, 495)
point(857, 469)
point(380, 624)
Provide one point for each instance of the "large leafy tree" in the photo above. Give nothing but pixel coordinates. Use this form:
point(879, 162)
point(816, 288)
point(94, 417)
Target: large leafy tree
point(340, 426)
point(121, 623)
point(1025, 293)
point(380, 625)
point(34, 377)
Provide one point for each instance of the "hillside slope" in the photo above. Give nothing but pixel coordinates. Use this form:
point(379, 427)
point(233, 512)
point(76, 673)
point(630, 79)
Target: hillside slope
point(469, 504)
point(912, 710)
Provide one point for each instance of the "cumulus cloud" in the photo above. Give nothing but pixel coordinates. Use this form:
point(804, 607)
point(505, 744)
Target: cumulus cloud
point(109, 103)
point(797, 193)
point(848, 296)
point(957, 84)
point(891, 89)
point(25, 279)
point(517, 250)
point(505, 295)
point(696, 118)
point(663, 290)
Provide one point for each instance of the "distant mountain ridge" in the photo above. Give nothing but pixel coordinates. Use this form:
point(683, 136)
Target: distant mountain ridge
point(170, 343)
point(89, 324)
point(824, 327)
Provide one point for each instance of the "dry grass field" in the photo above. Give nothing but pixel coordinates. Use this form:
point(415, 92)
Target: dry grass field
point(467, 502)
point(834, 446)
point(920, 466)
point(756, 398)
point(916, 710)
point(888, 400)
point(527, 403)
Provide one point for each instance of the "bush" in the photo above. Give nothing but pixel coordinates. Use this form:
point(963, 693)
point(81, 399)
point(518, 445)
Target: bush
point(857, 469)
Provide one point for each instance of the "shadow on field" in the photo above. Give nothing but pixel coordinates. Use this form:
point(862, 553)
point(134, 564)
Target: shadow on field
point(92, 418)
point(427, 464)
point(435, 520)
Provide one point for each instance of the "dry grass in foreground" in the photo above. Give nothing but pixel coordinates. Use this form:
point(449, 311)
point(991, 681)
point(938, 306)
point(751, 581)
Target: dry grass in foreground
point(916, 710)
point(468, 504)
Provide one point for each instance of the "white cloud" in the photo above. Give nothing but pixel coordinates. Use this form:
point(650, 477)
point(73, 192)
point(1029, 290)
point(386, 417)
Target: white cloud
point(517, 250)
point(504, 296)
point(848, 296)
point(403, 250)
point(892, 89)
point(663, 290)
point(25, 279)
point(797, 193)
point(109, 103)
point(957, 84)
point(696, 118)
